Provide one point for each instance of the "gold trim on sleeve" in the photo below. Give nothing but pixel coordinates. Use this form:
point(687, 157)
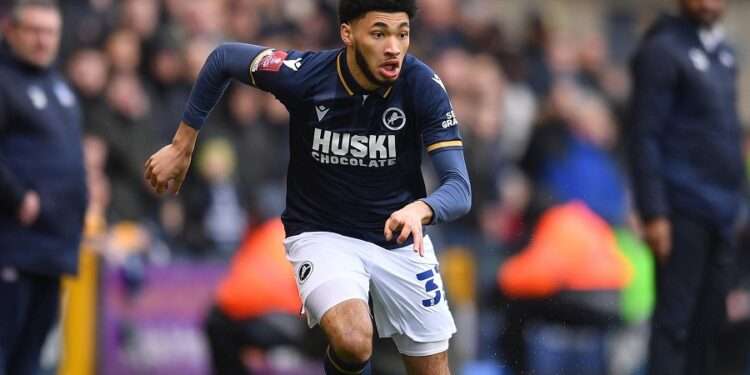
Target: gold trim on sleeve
point(444, 144)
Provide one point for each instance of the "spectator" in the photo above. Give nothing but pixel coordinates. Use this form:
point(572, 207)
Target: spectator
point(128, 129)
point(141, 16)
point(167, 77)
point(123, 47)
point(88, 71)
point(571, 272)
point(257, 304)
point(223, 217)
point(571, 155)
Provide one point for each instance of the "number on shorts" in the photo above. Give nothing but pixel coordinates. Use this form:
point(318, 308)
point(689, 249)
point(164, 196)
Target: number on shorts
point(430, 286)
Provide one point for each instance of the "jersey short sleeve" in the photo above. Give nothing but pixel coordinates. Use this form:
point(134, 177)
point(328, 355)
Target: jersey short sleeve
point(437, 119)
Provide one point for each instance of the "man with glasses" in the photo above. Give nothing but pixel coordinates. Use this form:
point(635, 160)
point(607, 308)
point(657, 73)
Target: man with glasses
point(42, 183)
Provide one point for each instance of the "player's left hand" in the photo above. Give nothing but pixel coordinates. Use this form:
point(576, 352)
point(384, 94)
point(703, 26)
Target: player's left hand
point(408, 221)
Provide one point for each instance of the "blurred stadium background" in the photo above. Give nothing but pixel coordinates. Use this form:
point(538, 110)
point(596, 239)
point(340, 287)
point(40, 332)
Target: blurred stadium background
point(524, 77)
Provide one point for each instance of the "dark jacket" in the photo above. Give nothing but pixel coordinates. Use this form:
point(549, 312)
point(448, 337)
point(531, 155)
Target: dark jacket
point(685, 143)
point(40, 150)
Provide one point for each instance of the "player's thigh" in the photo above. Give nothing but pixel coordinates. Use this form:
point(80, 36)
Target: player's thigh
point(408, 296)
point(435, 364)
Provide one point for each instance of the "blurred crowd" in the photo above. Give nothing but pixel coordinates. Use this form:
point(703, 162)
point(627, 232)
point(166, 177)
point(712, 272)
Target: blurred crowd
point(542, 114)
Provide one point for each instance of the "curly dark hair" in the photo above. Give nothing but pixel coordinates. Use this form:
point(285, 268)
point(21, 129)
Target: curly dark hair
point(350, 10)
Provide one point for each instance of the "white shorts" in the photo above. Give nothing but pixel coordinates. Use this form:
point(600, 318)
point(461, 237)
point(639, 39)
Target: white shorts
point(407, 292)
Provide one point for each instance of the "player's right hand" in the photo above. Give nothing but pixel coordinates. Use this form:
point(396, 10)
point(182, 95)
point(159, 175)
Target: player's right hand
point(658, 235)
point(407, 222)
point(167, 168)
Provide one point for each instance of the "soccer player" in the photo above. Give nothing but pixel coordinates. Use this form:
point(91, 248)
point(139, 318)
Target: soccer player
point(688, 176)
point(360, 118)
point(42, 183)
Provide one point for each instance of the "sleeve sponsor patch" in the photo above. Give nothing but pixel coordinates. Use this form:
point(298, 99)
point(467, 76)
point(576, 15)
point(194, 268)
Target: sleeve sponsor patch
point(450, 120)
point(269, 61)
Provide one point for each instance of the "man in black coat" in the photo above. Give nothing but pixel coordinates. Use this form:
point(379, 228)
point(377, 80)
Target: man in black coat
point(688, 177)
point(42, 183)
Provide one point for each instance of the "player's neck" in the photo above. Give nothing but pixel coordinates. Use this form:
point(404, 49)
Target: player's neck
point(357, 73)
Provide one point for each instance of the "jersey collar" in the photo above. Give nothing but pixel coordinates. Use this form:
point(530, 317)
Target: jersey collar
point(348, 82)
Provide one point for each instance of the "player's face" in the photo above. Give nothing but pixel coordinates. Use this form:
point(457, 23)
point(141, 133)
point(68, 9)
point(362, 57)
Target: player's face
point(35, 35)
point(706, 12)
point(380, 41)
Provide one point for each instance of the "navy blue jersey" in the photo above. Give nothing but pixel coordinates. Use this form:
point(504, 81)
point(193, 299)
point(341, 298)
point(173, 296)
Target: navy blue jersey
point(355, 155)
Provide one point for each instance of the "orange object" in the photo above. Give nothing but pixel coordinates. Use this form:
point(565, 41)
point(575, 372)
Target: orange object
point(260, 278)
point(572, 249)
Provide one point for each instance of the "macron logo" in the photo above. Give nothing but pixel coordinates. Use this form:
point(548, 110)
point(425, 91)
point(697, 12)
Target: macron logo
point(293, 64)
point(322, 111)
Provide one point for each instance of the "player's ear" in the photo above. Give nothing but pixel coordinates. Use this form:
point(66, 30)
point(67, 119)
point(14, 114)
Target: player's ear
point(347, 34)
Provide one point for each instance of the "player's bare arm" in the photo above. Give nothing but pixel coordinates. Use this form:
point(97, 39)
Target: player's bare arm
point(166, 169)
